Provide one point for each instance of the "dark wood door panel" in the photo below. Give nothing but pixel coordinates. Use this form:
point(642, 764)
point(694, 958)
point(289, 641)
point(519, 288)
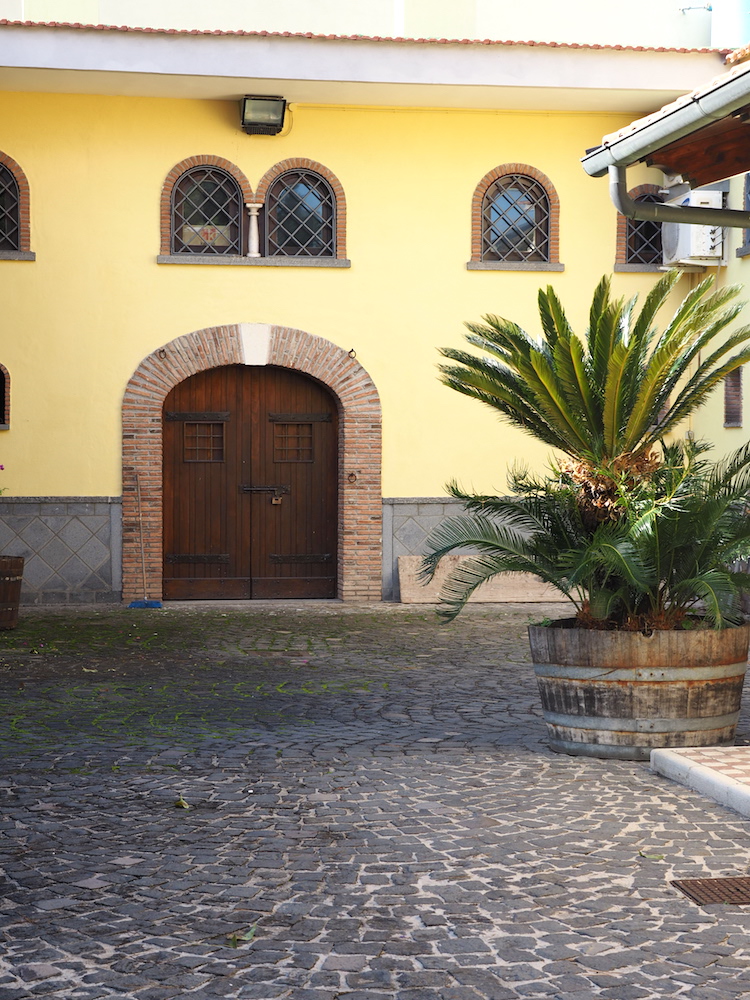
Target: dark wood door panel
point(206, 589)
point(250, 486)
point(294, 588)
point(295, 445)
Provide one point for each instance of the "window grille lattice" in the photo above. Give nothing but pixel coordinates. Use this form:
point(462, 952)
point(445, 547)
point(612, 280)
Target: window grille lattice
point(300, 216)
point(515, 220)
point(207, 213)
point(733, 399)
point(292, 442)
point(10, 230)
point(644, 244)
point(203, 442)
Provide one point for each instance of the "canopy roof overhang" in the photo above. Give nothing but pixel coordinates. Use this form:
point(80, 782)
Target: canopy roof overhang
point(703, 136)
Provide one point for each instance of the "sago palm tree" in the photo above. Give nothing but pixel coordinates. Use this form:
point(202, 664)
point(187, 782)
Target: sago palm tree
point(607, 398)
point(668, 553)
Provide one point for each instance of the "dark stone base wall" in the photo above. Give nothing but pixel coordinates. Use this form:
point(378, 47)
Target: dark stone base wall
point(72, 547)
point(407, 521)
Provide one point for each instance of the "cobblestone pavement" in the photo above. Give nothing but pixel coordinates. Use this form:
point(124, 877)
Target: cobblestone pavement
point(328, 801)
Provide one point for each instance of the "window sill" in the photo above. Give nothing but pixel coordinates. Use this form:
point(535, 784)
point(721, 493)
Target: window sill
point(502, 265)
point(644, 268)
point(17, 255)
point(4, 427)
point(236, 261)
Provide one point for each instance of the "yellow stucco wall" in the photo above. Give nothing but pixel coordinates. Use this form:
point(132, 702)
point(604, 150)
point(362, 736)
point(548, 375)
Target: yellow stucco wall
point(77, 321)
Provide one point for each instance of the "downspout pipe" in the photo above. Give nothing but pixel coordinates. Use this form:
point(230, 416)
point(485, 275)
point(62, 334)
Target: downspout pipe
point(654, 212)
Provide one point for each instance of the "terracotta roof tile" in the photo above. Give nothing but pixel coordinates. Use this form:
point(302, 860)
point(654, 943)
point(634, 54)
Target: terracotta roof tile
point(363, 38)
point(739, 55)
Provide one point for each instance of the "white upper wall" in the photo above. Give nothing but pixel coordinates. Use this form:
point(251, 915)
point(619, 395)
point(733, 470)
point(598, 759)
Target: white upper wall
point(671, 23)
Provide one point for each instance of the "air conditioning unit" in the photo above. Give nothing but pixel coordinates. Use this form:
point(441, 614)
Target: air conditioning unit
point(687, 245)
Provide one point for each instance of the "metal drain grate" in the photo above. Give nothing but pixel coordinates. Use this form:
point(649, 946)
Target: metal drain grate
point(715, 890)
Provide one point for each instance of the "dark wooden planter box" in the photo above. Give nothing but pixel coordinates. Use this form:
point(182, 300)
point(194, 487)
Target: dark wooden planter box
point(11, 574)
point(623, 694)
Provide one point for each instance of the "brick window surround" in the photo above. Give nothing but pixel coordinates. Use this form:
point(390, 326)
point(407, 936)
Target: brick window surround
point(301, 163)
point(360, 503)
point(24, 215)
point(4, 398)
point(165, 213)
point(476, 262)
point(621, 252)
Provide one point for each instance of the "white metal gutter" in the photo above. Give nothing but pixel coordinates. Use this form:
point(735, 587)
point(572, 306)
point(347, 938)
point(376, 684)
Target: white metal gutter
point(710, 104)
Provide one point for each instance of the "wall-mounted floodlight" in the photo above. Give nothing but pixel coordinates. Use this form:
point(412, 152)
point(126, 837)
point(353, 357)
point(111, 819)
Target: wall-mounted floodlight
point(262, 115)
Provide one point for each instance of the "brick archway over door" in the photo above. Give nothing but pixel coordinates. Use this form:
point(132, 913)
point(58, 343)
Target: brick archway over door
point(360, 502)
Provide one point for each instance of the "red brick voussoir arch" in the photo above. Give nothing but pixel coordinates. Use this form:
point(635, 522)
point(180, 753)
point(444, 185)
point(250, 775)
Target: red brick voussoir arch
point(24, 213)
point(165, 211)
point(502, 171)
point(301, 163)
point(360, 502)
point(621, 253)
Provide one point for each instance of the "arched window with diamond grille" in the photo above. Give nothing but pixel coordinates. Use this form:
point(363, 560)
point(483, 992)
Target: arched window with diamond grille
point(4, 398)
point(515, 221)
point(10, 228)
point(300, 216)
point(206, 212)
point(14, 211)
point(639, 246)
point(644, 236)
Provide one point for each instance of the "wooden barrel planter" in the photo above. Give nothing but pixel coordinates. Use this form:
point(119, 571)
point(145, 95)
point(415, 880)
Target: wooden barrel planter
point(623, 694)
point(11, 575)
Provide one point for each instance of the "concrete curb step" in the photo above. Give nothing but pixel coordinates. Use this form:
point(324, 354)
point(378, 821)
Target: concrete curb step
point(721, 773)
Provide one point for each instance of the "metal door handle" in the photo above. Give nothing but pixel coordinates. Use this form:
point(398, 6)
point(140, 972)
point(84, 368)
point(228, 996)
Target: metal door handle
point(277, 491)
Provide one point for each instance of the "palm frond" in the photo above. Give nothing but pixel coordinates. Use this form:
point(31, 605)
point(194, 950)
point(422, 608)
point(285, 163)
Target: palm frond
point(554, 321)
point(464, 579)
point(718, 594)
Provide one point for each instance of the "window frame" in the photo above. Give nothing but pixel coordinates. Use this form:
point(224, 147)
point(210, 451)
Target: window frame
point(744, 249)
point(733, 399)
point(23, 249)
point(480, 260)
point(625, 229)
point(251, 201)
point(182, 218)
point(4, 398)
point(269, 206)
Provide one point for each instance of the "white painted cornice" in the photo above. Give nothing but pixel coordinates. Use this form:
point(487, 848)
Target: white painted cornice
point(346, 70)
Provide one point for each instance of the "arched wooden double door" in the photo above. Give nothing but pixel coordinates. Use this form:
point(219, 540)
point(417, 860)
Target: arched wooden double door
point(250, 486)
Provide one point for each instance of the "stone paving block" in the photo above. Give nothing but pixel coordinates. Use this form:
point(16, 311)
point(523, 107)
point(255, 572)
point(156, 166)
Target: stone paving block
point(501, 869)
point(488, 983)
point(536, 988)
point(352, 963)
point(418, 994)
point(307, 994)
point(460, 993)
